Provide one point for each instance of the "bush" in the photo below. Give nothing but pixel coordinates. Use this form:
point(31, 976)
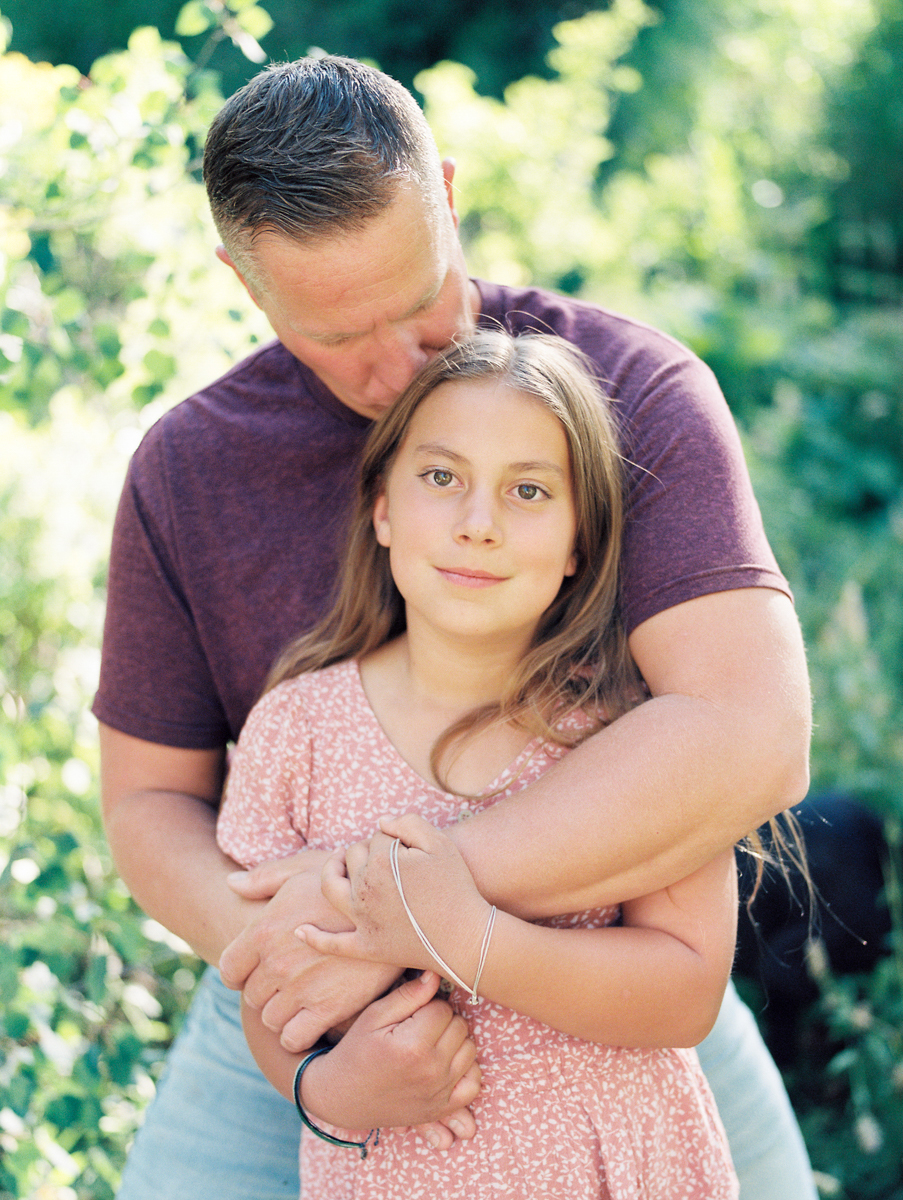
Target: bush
point(113, 307)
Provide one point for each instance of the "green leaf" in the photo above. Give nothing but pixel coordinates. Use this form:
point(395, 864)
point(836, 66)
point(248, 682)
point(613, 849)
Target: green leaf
point(255, 21)
point(193, 19)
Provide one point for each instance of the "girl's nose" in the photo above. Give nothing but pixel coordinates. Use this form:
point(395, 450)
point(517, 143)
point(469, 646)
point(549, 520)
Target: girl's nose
point(478, 521)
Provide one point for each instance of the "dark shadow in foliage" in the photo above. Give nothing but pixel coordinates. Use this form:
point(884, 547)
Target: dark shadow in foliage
point(846, 852)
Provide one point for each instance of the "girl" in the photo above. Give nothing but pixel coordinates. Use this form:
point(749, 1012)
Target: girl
point(474, 640)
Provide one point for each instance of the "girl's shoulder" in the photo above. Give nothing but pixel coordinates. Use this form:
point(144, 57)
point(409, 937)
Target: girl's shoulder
point(578, 724)
point(316, 697)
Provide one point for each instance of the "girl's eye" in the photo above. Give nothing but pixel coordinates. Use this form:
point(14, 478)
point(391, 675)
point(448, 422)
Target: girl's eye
point(528, 491)
point(440, 477)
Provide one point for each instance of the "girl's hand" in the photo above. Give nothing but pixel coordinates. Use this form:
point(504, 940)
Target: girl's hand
point(439, 889)
point(407, 1060)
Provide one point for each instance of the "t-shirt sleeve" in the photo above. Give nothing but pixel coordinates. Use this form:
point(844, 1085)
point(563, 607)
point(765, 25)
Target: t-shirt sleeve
point(264, 813)
point(155, 679)
point(693, 524)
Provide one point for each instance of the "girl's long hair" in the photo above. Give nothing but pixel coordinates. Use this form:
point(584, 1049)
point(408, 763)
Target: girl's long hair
point(579, 658)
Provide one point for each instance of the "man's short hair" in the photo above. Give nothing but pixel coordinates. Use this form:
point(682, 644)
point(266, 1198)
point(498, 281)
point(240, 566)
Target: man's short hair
point(312, 148)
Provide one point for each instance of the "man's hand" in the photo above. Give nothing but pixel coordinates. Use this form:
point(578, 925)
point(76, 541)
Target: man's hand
point(300, 993)
point(406, 1060)
point(264, 881)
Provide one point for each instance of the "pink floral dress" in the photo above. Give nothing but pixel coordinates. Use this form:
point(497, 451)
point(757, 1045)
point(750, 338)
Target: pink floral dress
point(558, 1118)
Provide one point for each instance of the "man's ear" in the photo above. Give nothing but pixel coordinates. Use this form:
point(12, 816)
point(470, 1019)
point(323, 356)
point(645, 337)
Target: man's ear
point(448, 174)
point(223, 255)
point(381, 519)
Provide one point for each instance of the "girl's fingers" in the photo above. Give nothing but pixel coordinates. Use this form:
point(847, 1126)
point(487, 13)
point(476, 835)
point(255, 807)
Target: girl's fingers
point(335, 885)
point(405, 1001)
point(453, 1036)
point(410, 829)
point(466, 1091)
point(342, 945)
point(354, 858)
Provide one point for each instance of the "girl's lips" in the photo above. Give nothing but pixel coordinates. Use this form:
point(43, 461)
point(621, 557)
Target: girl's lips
point(466, 578)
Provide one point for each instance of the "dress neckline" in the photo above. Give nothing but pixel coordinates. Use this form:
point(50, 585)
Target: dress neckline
point(499, 784)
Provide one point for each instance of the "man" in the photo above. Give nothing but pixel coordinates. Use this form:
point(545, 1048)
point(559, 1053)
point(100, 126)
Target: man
point(337, 215)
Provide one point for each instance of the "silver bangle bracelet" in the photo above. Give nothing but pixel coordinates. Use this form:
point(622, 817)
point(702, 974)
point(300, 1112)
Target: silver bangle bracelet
point(427, 944)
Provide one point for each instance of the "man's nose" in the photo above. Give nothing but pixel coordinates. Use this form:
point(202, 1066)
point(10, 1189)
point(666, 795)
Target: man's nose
point(398, 356)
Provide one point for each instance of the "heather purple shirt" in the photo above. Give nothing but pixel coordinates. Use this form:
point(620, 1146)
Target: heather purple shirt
point(231, 521)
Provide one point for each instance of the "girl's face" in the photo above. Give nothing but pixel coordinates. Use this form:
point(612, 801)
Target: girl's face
point(478, 513)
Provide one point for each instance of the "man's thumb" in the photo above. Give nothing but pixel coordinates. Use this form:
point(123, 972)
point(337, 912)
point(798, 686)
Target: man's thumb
point(263, 881)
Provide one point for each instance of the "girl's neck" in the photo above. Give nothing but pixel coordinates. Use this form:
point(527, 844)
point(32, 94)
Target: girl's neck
point(452, 674)
point(418, 687)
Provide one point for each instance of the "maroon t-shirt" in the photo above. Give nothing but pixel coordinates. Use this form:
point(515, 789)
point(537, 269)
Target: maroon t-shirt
point(231, 521)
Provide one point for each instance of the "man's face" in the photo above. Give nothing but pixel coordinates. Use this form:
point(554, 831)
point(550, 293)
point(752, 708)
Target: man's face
point(365, 310)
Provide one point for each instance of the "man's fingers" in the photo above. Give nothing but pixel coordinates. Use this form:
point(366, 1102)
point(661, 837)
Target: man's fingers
point(441, 1135)
point(461, 1123)
point(237, 962)
point(264, 881)
point(278, 1011)
point(436, 1134)
point(298, 1033)
point(303, 1030)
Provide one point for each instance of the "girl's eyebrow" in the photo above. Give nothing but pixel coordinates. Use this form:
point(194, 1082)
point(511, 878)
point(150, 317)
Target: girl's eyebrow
point(535, 465)
point(539, 465)
point(438, 448)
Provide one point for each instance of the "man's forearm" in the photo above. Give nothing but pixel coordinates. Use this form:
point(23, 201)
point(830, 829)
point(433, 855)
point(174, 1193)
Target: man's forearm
point(592, 832)
point(661, 791)
point(164, 846)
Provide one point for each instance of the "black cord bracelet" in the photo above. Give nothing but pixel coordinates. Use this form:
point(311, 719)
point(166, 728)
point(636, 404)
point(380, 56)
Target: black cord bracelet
point(363, 1146)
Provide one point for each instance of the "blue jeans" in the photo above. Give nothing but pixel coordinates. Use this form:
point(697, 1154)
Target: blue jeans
point(217, 1130)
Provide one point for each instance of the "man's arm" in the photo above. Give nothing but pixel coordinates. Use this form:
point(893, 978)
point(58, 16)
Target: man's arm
point(159, 810)
point(720, 748)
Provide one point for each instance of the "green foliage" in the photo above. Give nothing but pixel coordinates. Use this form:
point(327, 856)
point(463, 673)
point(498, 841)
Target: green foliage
point(703, 166)
point(108, 281)
point(498, 39)
point(112, 298)
point(90, 991)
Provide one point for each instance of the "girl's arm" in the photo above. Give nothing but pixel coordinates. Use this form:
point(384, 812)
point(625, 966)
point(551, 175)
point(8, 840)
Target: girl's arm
point(657, 980)
point(261, 817)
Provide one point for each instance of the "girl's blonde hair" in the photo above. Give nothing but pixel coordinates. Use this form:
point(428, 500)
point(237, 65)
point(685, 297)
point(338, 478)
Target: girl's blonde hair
point(579, 658)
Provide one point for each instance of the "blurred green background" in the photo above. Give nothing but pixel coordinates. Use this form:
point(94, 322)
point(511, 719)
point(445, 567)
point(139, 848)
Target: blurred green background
point(727, 169)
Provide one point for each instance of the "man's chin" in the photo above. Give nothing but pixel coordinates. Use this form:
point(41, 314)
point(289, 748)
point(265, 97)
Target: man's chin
point(369, 408)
